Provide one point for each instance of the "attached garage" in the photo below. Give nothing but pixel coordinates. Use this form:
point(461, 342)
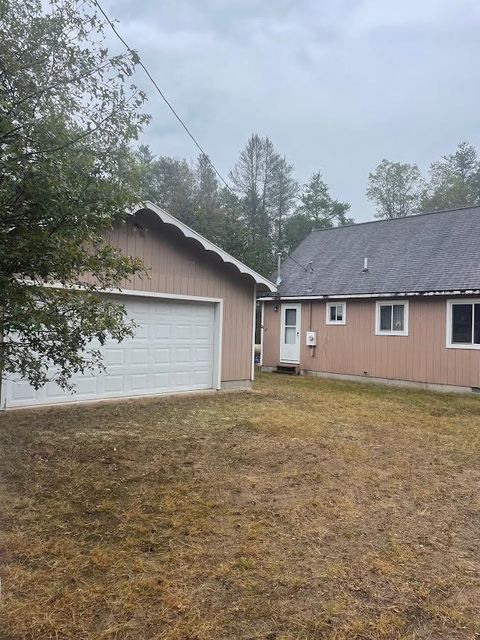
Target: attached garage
point(194, 317)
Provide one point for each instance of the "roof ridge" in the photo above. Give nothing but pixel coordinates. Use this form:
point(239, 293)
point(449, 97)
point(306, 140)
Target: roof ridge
point(414, 215)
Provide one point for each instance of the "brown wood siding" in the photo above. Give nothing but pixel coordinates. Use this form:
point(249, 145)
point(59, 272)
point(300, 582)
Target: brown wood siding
point(354, 349)
point(177, 266)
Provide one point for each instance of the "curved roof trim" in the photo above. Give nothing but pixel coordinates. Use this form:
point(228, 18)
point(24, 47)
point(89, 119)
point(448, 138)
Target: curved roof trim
point(206, 244)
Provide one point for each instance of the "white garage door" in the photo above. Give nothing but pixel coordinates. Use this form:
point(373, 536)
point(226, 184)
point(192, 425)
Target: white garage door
point(173, 350)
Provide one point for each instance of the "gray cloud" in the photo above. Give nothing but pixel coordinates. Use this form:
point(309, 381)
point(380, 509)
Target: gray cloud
point(337, 85)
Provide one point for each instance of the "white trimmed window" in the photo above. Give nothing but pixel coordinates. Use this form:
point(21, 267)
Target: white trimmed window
point(463, 324)
point(391, 318)
point(336, 312)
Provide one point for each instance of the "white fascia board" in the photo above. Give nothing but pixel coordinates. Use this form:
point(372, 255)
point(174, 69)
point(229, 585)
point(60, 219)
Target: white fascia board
point(342, 296)
point(188, 232)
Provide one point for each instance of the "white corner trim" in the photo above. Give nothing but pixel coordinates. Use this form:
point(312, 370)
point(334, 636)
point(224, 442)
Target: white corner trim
point(262, 331)
point(217, 356)
point(341, 303)
point(380, 303)
point(206, 244)
point(254, 318)
point(457, 345)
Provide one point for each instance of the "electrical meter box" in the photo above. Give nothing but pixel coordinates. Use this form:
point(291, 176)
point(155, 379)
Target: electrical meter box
point(311, 338)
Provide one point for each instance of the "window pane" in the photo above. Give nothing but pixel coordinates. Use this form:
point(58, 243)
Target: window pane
point(476, 325)
point(339, 313)
point(291, 317)
point(462, 323)
point(290, 335)
point(385, 318)
point(398, 317)
point(333, 313)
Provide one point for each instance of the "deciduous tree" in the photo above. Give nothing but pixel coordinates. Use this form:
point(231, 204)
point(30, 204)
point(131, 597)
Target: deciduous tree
point(68, 111)
point(395, 188)
point(454, 180)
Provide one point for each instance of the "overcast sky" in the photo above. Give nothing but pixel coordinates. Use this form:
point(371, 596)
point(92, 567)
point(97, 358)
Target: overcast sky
point(336, 84)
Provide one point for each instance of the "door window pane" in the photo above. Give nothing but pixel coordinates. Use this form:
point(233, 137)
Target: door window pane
point(398, 317)
point(291, 317)
point(462, 317)
point(476, 324)
point(386, 318)
point(290, 335)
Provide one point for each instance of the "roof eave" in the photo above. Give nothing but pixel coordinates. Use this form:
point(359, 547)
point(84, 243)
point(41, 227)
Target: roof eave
point(390, 294)
point(188, 232)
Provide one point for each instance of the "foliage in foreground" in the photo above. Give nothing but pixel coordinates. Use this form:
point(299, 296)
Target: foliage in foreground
point(68, 111)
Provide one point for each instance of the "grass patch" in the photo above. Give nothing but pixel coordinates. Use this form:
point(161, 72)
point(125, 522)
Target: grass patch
point(309, 509)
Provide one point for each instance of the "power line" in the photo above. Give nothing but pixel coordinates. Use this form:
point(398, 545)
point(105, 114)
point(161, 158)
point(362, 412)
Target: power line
point(163, 96)
point(171, 107)
point(290, 257)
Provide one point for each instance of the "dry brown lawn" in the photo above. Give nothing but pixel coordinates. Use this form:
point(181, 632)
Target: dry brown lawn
point(305, 510)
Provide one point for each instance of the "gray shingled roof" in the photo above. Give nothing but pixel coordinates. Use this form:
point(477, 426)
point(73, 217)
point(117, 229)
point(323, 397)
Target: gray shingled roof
point(427, 252)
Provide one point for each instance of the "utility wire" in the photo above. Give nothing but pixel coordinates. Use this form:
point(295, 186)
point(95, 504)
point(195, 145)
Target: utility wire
point(163, 96)
point(170, 106)
point(290, 257)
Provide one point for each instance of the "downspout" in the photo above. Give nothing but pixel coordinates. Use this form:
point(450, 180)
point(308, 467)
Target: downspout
point(254, 325)
point(262, 330)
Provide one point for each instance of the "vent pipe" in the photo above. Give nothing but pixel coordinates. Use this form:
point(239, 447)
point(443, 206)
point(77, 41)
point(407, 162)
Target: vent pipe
point(279, 265)
point(365, 265)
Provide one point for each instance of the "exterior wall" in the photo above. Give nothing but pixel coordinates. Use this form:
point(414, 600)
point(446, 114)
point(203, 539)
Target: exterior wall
point(354, 349)
point(177, 266)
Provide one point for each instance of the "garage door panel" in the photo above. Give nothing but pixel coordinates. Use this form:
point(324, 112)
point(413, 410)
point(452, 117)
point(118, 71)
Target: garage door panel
point(142, 331)
point(202, 355)
point(114, 356)
point(201, 376)
point(114, 383)
point(139, 382)
point(172, 350)
point(161, 380)
point(162, 331)
point(182, 355)
point(182, 332)
point(21, 391)
point(139, 356)
point(202, 333)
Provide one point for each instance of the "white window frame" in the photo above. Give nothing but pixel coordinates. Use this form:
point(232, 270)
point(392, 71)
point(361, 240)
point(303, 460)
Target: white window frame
point(329, 305)
point(388, 303)
point(459, 345)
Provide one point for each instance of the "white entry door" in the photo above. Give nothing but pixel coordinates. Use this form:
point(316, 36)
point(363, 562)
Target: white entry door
point(174, 349)
point(290, 333)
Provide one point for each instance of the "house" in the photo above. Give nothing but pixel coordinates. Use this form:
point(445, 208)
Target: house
point(391, 300)
point(195, 317)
